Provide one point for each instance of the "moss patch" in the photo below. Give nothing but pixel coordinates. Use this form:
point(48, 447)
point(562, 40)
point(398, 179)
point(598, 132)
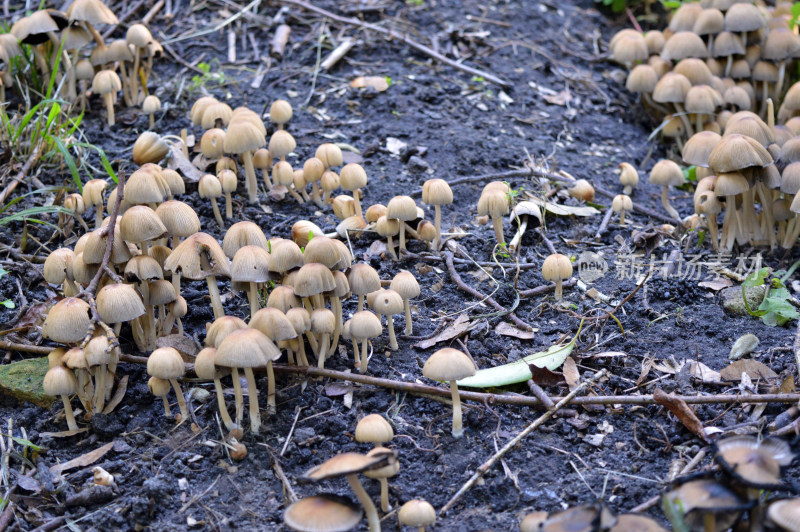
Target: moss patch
point(23, 381)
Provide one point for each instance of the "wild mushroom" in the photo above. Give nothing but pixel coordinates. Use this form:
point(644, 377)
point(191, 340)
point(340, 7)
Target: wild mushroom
point(247, 349)
point(374, 428)
point(785, 514)
point(201, 257)
point(160, 388)
point(405, 284)
point(382, 475)
point(217, 331)
point(437, 192)
point(364, 325)
point(388, 227)
point(494, 202)
point(242, 138)
point(450, 365)
point(404, 209)
point(205, 369)
point(106, 83)
point(280, 112)
point(349, 465)
point(210, 187)
point(140, 225)
point(323, 324)
point(313, 169)
point(150, 106)
point(251, 265)
point(93, 195)
point(363, 280)
point(137, 36)
point(621, 204)
point(148, 148)
point(706, 504)
point(166, 363)
point(354, 178)
point(665, 174)
point(179, 219)
point(628, 178)
point(557, 268)
point(387, 303)
point(99, 356)
point(754, 463)
point(58, 270)
point(301, 321)
point(322, 513)
point(418, 513)
point(61, 382)
point(67, 322)
point(281, 144)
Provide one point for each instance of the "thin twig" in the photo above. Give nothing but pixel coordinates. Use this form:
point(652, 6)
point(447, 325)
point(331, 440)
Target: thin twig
point(518, 438)
point(547, 288)
point(23, 348)
point(32, 159)
point(501, 311)
point(125, 16)
point(394, 35)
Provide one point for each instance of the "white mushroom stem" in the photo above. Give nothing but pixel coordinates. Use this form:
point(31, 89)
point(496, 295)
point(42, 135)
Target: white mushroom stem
point(181, 401)
point(392, 339)
point(98, 215)
point(781, 76)
point(402, 236)
point(167, 411)
point(252, 295)
point(302, 360)
point(458, 430)
point(665, 202)
point(366, 502)
point(250, 173)
point(252, 397)
point(390, 246)
point(237, 390)
point(223, 409)
point(315, 194)
point(357, 201)
point(364, 356)
point(134, 76)
point(360, 303)
point(684, 119)
point(99, 389)
point(228, 205)
point(497, 224)
point(216, 301)
point(523, 226)
point(323, 350)
point(84, 389)
point(385, 506)
point(271, 403)
point(409, 324)
point(437, 222)
point(109, 100)
point(559, 285)
point(356, 355)
point(217, 214)
point(68, 413)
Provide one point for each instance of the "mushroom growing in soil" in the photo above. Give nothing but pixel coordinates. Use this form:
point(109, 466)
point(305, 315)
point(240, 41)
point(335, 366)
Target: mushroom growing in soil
point(349, 465)
point(622, 204)
point(667, 174)
point(450, 365)
point(374, 429)
point(405, 284)
point(364, 325)
point(280, 112)
point(248, 349)
point(166, 363)
point(418, 513)
point(388, 228)
point(354, 178)
point(93, 195)
point(382, 475)
point(388, 303)
point(58, 270)
point(150, 106)
point(242, 138)
point(706, 504)
point(494, 202)
point(322, 513)
point(437, 192)
point(106, 83)
point(251, 265)
point(403, 209)
point(363, 280)
point(210, 187)
point(557, 268)
point(201, 257)
point(628, 177)
point(785, 514)
point(205, 369)
point(160, 388)
point(61, 382)
point(228, 181)
point(323, 325)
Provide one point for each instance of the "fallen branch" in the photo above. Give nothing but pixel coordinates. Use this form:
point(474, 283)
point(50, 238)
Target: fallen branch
point(435, 258)
point(24, 348)
point(392, 34)
point(546, 288)
point(32, 159)
point(501, 311)
point(513, 442)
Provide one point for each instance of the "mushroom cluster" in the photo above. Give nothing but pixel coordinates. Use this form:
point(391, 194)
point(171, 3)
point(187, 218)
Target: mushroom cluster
point(716, 58)
point(122, 65)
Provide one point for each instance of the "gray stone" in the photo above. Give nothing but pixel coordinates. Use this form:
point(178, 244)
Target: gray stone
point(417, 165)
point(733, 303)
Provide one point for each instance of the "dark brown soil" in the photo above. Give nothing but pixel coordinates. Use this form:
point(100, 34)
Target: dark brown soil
point(454, 127)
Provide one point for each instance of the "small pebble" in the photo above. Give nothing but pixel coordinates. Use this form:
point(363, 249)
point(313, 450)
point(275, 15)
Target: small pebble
point(745, 345)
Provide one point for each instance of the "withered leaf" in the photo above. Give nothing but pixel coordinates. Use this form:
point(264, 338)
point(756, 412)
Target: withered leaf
point(119, 394)
point(506, 329)
point(571, 373)
point(179, 161)
point(545, 377)
point(753, 368)
point(681, 410)
point(83, 460)
point(183, 344)
point(454, 330)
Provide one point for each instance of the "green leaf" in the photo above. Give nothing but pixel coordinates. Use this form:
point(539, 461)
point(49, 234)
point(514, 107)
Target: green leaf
point(73, 168)
point(3, 272)
point(518, 371)
point(776, 308)
point(8, 303)
point(757, 279)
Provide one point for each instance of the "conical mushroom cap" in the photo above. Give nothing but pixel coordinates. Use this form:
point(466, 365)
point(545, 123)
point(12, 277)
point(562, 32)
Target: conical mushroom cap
point(242, 234)
point(68, 321)
point(178, 218)
point(328, 513)
point(141, 224)
point(186, 258)
point(374, 429)
point(348, 464)
point(59, 381)
point(250, 265)
point(165, 363)
point(117, 303)
point(243, 136)
point(365, 324)
point(735, 152)
point(93, 11)
point(273, 323)
point(448, 365)
point(246, 348)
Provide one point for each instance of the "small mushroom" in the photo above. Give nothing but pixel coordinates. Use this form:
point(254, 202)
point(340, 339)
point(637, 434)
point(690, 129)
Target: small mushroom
point(166, 363)
point(280, 112)
point(450, 365)
point(407, 286)
point(160, 388)
point(582, 190)
point(785, 514)
point(706, 504)
point(388, 303)
point(622, 204)
point(404, 209)
point(557, 268)
point(211, 188)
point(494, 202)
point(364, 325)
point(437, 192)
point(251, 265)
point(205, 368)
point(628, 177)
point(107, 83)
point(353, 178)
point(150, 106)
point(418, 513)
point(228, 182)
point(322, 513)
point(665, 174)
point(61, 382)
point(383, 474)
point(374, 429)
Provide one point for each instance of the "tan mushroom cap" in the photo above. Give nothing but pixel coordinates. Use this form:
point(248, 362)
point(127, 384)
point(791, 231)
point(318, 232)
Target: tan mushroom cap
point(405, 284)
point(142, 187)
point(743, 17)
point(274, 324)
point(348, 464)
point(58, 266)
point(143, 268)
point(141, 224)
point(280, 111)
point(118, 303)
point(243, 136)
point(666, 173)
point(158, 387)
point(672, 88)
point(436, 192)
point(735, 152)
point(785, 514)
point(352, 177)
point(374, 429)
point(106, 82)
point(417, 512)
point(281, 143)
point(59, 381)
point(448, 364)
point(365, 324)
point(286, 255)
point(204, 364)
point(322, 250)
point(217, 331)
point(93, 11)
point(621, 202)
point(636, 523)
point(533, 521)
point(322, 513)
point(312, 279)
point(246, 348)
point(584, 517)
point(165, 363)
point(186, 258)
point(556, 267)
point(753, 462)
point(148, 148)
point(402, 208)
point(329, 154)
point(684, 44)
point(242, 234)
point(699, 146)
point(493, 202)
point(178, 218)
point(250, 265)
point(388, 302)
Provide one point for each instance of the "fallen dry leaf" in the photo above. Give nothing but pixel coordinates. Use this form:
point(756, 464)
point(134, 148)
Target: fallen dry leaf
point(379, 83)
point(83, 460)
point(376, 249)
point(545, 377)
point(179, 161)
point(753, 368)
point(787, 386)
point(454, 330)
point(506, 329)
point(554, 208)
point(682, 411)
point(183, 344)
point(119, 394)
point(716, 284)
point(63, 434)
point(571, 373)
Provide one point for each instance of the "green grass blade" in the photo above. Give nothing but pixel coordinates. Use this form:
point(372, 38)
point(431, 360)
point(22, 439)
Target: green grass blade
point(73, 168)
